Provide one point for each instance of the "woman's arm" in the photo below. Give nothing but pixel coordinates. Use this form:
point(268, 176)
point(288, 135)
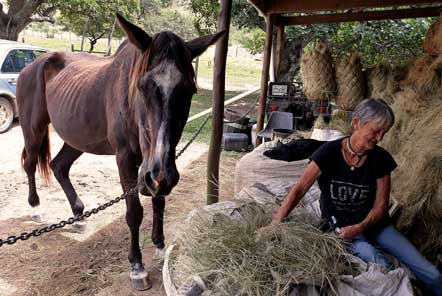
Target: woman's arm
point(379, 210)
point(310, 175)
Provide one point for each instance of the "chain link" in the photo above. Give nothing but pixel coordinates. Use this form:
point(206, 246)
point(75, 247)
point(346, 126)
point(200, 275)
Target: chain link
point(37, 232)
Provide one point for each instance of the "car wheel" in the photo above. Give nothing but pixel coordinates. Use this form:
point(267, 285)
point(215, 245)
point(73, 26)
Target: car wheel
point(6, 115)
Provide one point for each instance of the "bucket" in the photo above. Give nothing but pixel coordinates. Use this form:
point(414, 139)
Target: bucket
point(235, 142)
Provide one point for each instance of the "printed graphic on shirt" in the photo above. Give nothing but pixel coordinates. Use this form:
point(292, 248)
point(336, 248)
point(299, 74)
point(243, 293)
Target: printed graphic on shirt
point(348, 197)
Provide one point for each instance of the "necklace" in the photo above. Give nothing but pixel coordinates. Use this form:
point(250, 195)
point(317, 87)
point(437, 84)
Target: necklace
point(359, 155)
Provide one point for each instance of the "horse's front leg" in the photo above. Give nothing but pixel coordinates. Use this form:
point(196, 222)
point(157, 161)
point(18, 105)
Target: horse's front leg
point(158, 204)
point(127, 167)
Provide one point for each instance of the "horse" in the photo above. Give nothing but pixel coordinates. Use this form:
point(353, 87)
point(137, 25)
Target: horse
point(133, 104)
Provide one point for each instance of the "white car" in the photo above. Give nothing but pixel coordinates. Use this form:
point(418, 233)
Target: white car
point(14, 56)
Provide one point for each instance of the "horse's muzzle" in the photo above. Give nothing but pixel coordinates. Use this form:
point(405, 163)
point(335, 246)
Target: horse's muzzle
point(161, 185)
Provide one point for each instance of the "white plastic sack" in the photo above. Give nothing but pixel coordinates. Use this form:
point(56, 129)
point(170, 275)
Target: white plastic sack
point(326, 134)
point(375, 282)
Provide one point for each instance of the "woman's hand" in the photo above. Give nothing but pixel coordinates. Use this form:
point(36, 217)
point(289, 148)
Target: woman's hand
point(350, 232)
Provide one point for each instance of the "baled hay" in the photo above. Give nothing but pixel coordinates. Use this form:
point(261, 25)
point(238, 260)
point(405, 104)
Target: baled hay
point(426, 74)
point(378, 77)
point(350, 82)
point(433, 38)
point(341, 121)
point(417, 183)
point(241, 257)
point(320, 123)
point(317, 73)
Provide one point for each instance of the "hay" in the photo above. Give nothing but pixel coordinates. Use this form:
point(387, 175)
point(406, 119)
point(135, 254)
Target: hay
point(416, 142)
point(433, 38)
point(350, 82)
point(241, 257)
point(317, 73)
point(341, 121)
point(425, 75)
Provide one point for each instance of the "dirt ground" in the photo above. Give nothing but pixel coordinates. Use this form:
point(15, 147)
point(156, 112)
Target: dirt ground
point(94, 262)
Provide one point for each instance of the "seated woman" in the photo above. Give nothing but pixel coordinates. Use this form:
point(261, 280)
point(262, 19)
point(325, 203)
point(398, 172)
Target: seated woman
point(354, 178)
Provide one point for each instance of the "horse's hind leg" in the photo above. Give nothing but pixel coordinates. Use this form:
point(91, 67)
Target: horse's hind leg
point(60, 166)
point(36, 151)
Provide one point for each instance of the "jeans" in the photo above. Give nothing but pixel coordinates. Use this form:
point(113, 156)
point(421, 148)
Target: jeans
point(388, 239)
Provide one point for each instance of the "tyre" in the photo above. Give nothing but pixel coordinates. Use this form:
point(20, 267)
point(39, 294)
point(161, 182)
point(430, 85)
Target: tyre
point(6, 115)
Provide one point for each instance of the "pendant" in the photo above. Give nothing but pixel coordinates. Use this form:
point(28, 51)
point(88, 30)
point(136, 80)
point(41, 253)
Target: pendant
point(352, 168)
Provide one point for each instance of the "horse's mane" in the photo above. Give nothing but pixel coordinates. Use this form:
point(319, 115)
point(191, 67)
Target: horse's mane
point(164, 46)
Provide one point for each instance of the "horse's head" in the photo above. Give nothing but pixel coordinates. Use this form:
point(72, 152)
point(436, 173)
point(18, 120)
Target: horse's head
point(162, 86)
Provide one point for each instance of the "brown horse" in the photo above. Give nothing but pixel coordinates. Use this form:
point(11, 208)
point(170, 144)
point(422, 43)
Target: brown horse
point(133, 104)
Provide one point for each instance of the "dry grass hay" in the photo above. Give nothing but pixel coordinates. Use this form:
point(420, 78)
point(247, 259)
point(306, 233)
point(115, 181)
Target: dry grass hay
point(425, 76)
point(341, 121)
point(383, 81)
point(317, 73)
point(433, 39)
point(416, 142)
point(350, 82)
point(241, 257)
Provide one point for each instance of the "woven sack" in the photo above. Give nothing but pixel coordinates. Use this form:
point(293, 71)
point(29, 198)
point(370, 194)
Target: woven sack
point(433, 39)
point(317, 73)
point(350, 82)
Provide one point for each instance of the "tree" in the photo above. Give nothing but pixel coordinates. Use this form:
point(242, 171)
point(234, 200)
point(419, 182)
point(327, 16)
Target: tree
point(95, 18)
point(170, 19)
point(22, 12)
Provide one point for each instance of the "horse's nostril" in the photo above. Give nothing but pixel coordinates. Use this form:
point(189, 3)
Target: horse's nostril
point(151, 183)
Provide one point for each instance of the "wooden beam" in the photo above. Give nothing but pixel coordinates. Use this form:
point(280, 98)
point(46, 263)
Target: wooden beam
point(219, 78)
point(279, 45)
point(265, 74)
point(361, 16)
point(287, 6)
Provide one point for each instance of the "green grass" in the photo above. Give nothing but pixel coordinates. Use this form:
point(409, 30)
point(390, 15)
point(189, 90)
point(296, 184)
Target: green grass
point(202, 101)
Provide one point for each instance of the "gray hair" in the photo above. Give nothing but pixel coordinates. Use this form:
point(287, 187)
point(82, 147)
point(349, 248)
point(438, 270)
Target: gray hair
point(376, 110)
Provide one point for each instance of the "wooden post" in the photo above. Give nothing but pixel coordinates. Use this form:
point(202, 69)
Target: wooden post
point(219, 77)
point(265, 74)
point(279, 45)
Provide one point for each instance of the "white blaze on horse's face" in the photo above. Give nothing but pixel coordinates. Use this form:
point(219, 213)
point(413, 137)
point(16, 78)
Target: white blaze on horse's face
point(166, 76)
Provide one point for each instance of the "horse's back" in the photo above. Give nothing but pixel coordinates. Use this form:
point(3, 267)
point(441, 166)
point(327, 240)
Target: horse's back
point(65, 88)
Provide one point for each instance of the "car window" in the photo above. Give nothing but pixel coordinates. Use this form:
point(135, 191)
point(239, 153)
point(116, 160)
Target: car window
point(16, 60)
point(38, 53)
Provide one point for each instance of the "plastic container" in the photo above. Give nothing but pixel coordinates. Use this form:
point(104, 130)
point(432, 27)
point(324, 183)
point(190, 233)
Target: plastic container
point(235, 142)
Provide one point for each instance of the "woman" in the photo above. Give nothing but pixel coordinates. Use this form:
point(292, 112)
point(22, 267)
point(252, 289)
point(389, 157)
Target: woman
point(354, 178)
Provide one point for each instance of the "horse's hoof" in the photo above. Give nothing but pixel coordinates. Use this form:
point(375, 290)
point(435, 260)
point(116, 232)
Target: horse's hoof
point(37, 215)
point(79, 227)
point(159, 253)
point(139, 278)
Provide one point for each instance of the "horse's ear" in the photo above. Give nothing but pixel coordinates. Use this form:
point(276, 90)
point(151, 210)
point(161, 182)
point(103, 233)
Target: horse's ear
point(136, 35)
point(199, 45)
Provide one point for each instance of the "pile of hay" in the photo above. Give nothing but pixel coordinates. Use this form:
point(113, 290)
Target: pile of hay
point(244, 255)
point(317, 72)
point(416, 143)
point(433, 38)
point(341, 121)
point(383, 81)
point(350, 82)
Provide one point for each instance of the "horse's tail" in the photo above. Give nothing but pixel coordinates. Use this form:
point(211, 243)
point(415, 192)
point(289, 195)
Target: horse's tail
point(44, 157)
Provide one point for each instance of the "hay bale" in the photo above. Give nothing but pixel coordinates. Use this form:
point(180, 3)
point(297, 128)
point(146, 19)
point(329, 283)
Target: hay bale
point(350, 82)
point(317, 73)
point(241, 257)
point(433, 38)
point(425, 75)
point(341, 121)
point(416, 143)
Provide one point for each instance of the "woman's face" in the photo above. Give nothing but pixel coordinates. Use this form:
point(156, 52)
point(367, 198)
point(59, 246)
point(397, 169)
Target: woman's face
point(368, 134)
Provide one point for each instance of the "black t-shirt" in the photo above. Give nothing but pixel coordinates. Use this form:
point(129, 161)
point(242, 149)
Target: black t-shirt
point(347, 194)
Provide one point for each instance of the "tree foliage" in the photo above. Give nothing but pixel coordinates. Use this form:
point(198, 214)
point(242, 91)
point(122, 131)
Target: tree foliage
point(20, 13)
point(96, 18)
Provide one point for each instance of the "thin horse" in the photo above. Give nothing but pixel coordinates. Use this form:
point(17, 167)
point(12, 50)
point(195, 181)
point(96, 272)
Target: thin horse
point(133, 105)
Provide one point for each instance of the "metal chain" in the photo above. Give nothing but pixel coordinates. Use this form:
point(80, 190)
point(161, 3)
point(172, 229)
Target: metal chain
point(37, 232)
